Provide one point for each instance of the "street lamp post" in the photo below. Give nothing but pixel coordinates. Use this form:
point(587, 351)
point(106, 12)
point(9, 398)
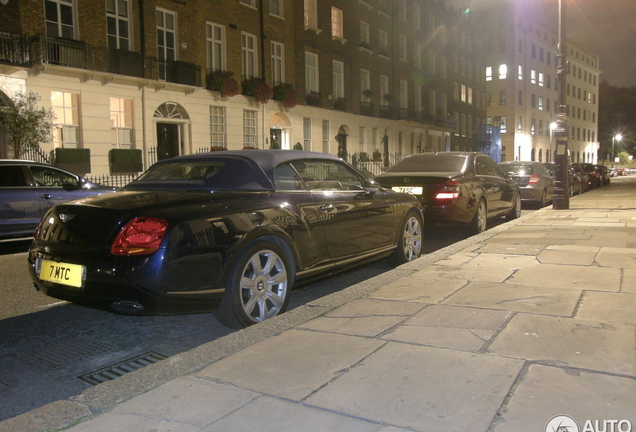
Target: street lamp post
point(561, 187)
point(615, 138)
point(553, 126)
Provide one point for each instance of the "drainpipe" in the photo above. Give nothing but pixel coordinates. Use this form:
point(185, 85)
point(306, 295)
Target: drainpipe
point(142, 30)
point(261, 19)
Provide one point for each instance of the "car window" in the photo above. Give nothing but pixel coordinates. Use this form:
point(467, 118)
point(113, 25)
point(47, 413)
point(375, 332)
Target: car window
point(491, 166)
point(286, 178)
point(520, 169)
point(12, 176)
point(327, 175)
point(48, 177)
point(430, 163)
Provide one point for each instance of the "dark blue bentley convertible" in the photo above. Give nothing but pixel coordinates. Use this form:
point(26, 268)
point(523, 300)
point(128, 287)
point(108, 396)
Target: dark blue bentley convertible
point(230, 231)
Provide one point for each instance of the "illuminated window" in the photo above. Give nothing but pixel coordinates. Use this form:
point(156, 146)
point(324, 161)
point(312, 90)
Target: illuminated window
point(503, 71)
point(121, 123)
point(65, 107)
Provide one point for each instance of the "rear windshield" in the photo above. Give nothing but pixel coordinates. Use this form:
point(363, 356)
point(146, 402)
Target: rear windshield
point(522, 170)
point(217, 174)
point(431, 163)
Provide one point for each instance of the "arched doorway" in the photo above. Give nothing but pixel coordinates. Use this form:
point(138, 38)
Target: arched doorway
point(172, 121)
point(341, 139)
point(280, 132)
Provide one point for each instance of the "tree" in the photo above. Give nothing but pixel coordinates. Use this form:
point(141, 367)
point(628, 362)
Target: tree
point(616, 115)
point(25, 125)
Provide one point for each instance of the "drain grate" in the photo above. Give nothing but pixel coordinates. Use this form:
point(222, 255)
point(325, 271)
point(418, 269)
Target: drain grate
point(67, 352)
point(109, 373)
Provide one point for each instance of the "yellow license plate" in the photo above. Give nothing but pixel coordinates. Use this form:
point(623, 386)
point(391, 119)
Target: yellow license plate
point(61, 273)
point(413, 190)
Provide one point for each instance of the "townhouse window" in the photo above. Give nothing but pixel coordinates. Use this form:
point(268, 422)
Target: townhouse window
point(60, 18)
point(383, 42)
point(251, 3)
point(215, 46)
point(432, 64)
point(533, 101)
point(455, 63)
point(278, 63)
point(463, 93)
point(548, 58)
point(520, 72)
point(217, 126)
point(540, 103)
point(65, 107)
point(520, 124)
point(404, 100)
point(502, 124)
point(118, 24)
point(489, 98)
point(307, 133)
point(365, 39)
point(374, 138)
point(533, 76)
point(541, 79)
point(417, 19)
point(469, 95)
point(276, 8)
point(326, 135)
point(402, 47)
point(311, 14)
point(548, 81)
point(469, 126)
point(166, 39)
point(533, 51)
point(418, 97)
point(249, 128)
point(362, 132)
point(442, 64)
point(338, 79)
point(249, 55)
point(540, 127)
point(365, 85)
point(502, 97)
point(455, 90)
point(547, 104)
point(402, 9)
point(432, 101)
point(337, 23)
point(488, 73)
point(532, 126)
point(417, 55)
point(121, 123)
point(384, 90)
point(311, 72)
point(503, 71)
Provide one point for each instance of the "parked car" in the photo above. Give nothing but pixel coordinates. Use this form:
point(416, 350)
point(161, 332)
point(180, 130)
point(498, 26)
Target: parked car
point(582, 176)
point(462, 188)
point(28, 189)
point(603, 174)
point(230, 231)
point(575, 178)
point(593, 179)
point(536, 184)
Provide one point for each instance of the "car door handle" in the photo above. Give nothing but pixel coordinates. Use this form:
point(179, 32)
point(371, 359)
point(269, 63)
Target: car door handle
point(327, 208)
point(46, 196)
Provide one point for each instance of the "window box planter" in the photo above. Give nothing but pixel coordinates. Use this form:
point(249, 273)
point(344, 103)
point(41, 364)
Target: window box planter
point(313, 99)
point(222, 82)
point(258, 89)
point(285, 93)
point(125, 161)
point(77, 161)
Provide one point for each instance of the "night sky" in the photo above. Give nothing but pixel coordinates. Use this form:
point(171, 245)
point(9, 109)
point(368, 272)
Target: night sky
point(605, 27)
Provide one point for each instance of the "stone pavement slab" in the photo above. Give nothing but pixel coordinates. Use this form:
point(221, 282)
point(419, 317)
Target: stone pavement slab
point(520, 298)
point(607, 307)
point(545, 392)
point(568, 254)
point(568, 276)
point(629, 281)
point(293, 364)
point(462, 328)
point(617, 257)
point(423, 388)
point(419, 288)
point(593, 345)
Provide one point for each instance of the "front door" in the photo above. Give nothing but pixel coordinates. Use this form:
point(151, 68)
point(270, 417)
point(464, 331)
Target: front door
point(167, 140)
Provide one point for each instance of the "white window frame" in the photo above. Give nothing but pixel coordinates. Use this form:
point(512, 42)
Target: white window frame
point(311, 72)
point(417, 55)
point(311, 14)
point(404, 94)
point(417, 18)
point(338, 80)
point(215, 46)
point(277, 8)
point(402, 9)
point(384, 90)
point(250, 125)
point(365, 37)
point(402, 48)
point(66, 30)
point(417, 89)
point(365, 84)
point(249, 55)
point(166, 52)
point(337, 23)
point(122, 21)
point(218, 128)
point(278, 62)
point(66, 130)
point(250, 3)
point(121, 123)
point(383, 41)
point(503, 71)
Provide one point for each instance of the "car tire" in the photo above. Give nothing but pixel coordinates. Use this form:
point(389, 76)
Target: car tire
point(515, 211)
point(410, 239)
point(478, 223)
point(258, 285)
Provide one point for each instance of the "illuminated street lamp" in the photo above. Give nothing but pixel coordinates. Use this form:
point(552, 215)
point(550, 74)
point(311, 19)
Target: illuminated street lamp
point(561, 199)
point(615, 138)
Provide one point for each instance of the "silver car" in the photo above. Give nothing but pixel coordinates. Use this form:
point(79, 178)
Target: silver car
point(536, 184)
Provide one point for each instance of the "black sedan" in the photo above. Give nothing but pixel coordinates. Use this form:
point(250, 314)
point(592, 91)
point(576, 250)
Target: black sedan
point(464, 188)
point(230, 231)
point(536, 184)
point(28, 189)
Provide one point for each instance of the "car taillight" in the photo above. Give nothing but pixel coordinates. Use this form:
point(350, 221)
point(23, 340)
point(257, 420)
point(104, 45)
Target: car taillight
point(533, 179)
point(449, 191)
point(140, 236)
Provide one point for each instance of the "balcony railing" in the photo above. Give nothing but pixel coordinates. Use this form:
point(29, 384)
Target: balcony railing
point(367, 109)
point(28, 51)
